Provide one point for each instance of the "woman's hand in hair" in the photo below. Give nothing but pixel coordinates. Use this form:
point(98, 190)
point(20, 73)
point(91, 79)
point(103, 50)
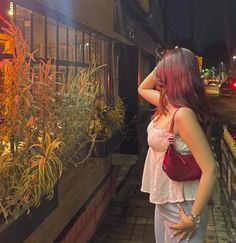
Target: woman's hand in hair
point(147, 90)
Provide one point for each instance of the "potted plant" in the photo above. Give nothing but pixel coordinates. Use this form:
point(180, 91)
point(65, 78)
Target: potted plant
point(44, 125)
point(29, 145)
point(106, 125)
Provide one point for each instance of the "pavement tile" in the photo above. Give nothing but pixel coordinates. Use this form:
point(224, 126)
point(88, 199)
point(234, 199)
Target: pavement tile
point(131, 219)
point(150, 221)
point(113, 235)
point(148, 234)
point(141, 220)
point(136, 238)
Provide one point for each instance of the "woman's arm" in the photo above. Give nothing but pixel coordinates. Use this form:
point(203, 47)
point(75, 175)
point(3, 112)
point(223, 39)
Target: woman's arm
point(192, 134)
point(188, 127)
point(147, 90)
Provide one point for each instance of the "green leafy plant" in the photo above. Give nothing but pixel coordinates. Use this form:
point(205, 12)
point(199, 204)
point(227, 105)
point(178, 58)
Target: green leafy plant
point(29, 144)
point(75, 111)
point(44, 124)
point(107, 119)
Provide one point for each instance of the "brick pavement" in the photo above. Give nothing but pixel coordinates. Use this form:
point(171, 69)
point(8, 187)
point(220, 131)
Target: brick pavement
point(129, 217)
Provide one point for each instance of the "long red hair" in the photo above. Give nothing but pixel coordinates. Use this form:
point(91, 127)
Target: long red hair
point(179, 83)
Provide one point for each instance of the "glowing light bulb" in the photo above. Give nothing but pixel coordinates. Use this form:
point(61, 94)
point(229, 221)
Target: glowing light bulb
point(11, 9)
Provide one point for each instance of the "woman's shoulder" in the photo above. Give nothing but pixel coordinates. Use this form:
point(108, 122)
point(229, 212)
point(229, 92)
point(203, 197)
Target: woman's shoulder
point(185, 116)
point(184, 112)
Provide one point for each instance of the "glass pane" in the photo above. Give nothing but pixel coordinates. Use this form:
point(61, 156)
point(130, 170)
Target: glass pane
point(62, 74)
point(86, 48)
point(98, 51)
point(80, 46)
point(92, 49)
point(51, 38)
point(101, 81)
point(39, 34)
point(71, 45)
point(62, 42)
point(71, 73)
point(105, 52)
point(23, 21)
point(36, 87)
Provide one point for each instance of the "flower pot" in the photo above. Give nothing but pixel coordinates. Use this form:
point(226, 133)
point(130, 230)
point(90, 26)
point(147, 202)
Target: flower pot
point(103, 147)
point(17, 230)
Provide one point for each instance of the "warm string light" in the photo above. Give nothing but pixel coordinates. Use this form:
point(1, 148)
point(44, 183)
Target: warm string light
point(11, 9)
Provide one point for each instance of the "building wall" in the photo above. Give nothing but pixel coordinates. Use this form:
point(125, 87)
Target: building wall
point(80, 191)
point(94, 13)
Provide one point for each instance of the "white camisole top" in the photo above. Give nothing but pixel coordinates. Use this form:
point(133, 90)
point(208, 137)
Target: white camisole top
point(154, 181)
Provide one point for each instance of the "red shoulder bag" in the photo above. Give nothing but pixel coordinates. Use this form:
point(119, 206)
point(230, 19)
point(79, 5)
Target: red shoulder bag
point(177, 166)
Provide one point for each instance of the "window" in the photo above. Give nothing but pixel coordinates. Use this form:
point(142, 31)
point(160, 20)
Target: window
point(101, 80)
point(71, 45)
point(92, 49)
point(86, 48)
point(79, 46)
point(39, 35)
point(104, 52)
point(62, 42)
point(23, 21)
point(51, 38)
point(62, 74)
point(68, 47)
point(71, 73)
point(98, 51)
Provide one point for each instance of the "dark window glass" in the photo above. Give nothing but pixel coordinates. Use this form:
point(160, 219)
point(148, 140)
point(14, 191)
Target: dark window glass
point(51, 38)
point(104, 52)
point(62, 74)
point(79, 46)
point(39, 35)
point(98, 51)
point(62, 42)
point(71, 73)
point(86, 48)
point(92, 49)
point(71, 44)
point(23, 21)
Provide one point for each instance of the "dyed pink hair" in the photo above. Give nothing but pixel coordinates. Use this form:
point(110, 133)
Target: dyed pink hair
point(178, 80)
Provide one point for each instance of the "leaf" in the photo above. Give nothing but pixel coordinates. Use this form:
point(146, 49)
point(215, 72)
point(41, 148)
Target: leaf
point(32, 120)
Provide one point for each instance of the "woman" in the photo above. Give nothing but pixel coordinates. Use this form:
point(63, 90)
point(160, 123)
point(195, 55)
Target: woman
point(174, 87)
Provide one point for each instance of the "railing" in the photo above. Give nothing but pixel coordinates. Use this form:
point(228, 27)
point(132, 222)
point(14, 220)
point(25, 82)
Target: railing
point(227, 179)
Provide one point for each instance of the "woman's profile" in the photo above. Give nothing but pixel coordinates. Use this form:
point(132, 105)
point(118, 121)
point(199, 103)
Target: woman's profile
point(175, 88)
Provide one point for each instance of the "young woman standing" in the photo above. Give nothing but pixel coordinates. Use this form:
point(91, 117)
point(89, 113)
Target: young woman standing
point(175, 88)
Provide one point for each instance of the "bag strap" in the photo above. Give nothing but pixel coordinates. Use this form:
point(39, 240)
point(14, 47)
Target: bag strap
point(172, 121)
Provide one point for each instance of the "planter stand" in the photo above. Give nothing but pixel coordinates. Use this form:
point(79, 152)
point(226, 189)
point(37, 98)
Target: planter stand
point(16, 231)
point(105, 146)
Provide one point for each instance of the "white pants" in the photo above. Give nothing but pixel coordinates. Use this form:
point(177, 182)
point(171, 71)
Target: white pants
point(167, 214)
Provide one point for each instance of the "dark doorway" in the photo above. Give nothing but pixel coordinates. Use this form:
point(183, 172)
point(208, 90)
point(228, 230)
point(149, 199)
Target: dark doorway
point(128, 86)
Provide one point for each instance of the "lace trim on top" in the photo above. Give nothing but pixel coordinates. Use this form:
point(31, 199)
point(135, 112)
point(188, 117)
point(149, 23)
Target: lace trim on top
point(160, 187)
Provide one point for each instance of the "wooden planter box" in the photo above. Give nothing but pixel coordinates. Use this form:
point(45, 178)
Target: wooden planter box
point(16, 231)
point(105, 146)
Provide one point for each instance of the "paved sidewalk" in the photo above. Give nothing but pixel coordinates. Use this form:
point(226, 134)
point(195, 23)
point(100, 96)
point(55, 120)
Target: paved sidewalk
point(129, 217)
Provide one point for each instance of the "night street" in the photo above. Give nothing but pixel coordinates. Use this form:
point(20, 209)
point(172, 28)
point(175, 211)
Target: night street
point(83, 156)
point(224, 106)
